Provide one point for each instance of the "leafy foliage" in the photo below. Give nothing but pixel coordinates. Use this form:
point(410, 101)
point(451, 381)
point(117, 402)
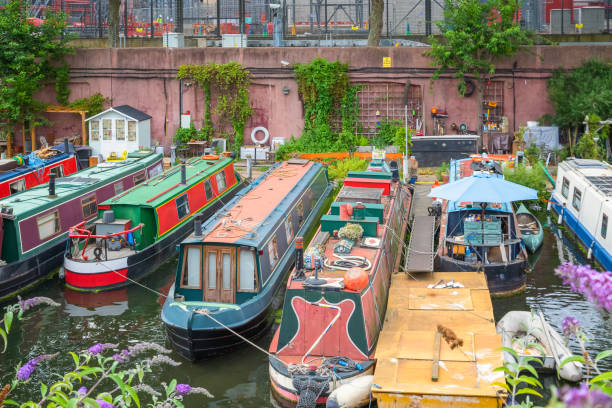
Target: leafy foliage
point(185, 135)
point(30, 57)
point(338, 170)
point(93, 104)
point(443, 169)
point(230, 82)
point(532, 177)
point(532, 153)
point(591, 144)
point(385, 134)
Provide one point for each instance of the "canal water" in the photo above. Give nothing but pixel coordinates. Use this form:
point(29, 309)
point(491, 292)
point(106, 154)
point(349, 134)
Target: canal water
point(239, 379)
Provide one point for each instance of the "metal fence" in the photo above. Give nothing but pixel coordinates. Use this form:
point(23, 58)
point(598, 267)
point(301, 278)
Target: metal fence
point(152, 18)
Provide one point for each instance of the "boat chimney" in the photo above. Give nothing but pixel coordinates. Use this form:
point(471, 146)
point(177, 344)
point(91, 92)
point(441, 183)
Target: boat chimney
point(197, 225)
point(394, 170)
point(184, 174)
point(52, 184)
point(299, 259)
point(249, 168)
point(66, 146)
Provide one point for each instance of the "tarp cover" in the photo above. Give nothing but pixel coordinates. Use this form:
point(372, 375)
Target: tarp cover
point(542, 136)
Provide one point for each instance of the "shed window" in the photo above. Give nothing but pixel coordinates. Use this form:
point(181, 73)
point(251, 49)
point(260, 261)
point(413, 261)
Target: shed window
point(131, 131)
point(289, 228)
point(576, 199)
point(139, 178)
point(120, 129)
point(273, 252)
point(95, 130)
point(220, 181)
point(208, 190)
point(89, 206)
point(604, 226)
point(107, 129)
point(48, 225)
point(17, 186)
point(227, 270)
point(182, 206)
point(192, 267)
point(247, 275)
point(118, 187)
point(565, 188)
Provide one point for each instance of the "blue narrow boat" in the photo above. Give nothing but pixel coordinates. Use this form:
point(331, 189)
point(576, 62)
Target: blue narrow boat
point(230, 270)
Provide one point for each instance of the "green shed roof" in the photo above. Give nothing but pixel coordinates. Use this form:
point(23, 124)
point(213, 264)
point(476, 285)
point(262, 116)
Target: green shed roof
point(167, 184)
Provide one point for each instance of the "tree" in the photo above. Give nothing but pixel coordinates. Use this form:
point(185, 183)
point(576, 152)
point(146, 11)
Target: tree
point(474, 35)
point(376, 22)
point(586, 90)
point(113, 23)
point(30, 57)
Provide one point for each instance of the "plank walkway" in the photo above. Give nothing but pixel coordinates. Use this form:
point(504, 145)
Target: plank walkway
point(420, 257)
point(406, 354)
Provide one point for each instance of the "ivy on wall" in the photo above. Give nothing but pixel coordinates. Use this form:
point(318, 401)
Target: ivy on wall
point(231, 83)
point(331, 109)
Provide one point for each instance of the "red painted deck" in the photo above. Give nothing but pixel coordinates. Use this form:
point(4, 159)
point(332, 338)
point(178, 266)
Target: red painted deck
point(369, 183)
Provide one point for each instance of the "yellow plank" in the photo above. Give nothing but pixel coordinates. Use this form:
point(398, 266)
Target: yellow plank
point(473, 280)
point(410, 345)
point(440, 299)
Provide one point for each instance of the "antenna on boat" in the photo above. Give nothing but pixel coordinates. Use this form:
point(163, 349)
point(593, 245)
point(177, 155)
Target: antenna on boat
point(299, 259)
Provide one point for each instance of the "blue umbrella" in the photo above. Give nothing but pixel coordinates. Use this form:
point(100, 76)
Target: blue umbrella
point(484, 188)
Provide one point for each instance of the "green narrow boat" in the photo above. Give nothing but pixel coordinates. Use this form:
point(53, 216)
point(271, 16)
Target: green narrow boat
point(530, 227)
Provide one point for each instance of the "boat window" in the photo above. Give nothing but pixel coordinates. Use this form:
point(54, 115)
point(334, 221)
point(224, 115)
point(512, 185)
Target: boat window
point(227, 264)
point(139, 178)
point(289, 229)
point(182, 206)
point(576, 199)
point(154, 171)
point(120, 129)
point(118, 187)
point(131, 131)
point(565, 187)
point(604, 226)
point(212, 270)
point(300, 210)
point(58, 171)
point(273, 252)
point(95, 130)
point(106, 129)
point(192, 267)
point(48, 225)
point(220, 181)
point(247, 276)
point(208, 190)
point(17, 186)
point(89, 205)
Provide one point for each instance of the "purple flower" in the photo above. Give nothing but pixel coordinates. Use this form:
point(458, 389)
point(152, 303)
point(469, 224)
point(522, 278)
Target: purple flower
point(105, 404)
point(183, 389)
point(26, 370)
point(582, 397)
point(82, 391)
point(100, 347)
point(596, 286)
point(571, 326)
point(35, 301)
point(122, 357)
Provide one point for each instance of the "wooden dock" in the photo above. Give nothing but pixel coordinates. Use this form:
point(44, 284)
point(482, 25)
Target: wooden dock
point(415, 363)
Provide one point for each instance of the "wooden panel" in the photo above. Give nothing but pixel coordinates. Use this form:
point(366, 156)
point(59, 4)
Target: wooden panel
point(440, 299)
point(410, 345)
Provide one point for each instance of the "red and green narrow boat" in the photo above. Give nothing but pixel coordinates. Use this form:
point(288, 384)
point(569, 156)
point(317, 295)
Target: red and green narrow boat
point(232, 269)
point(331, 320)
point(138, 230)
point(35, 222)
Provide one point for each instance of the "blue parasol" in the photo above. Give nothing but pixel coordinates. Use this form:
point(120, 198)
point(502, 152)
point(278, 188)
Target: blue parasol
point(484, 188)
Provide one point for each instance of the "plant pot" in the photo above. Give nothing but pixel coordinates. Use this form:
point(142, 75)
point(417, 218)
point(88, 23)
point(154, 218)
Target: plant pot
point(445, 178)
point(226, 154)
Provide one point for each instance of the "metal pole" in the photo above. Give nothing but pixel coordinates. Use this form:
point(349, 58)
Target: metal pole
point(326, 19)
point(562, 15)
point(607, 14)
point(125, 18)
point(218, 18)
point(427, 17)
point(151, 27)
point(387, 23)
point(310, 17)
point(100, 34)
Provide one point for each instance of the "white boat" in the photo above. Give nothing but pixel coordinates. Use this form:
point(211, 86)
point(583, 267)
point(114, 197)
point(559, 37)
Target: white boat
point(581, 199)
point(517, 325)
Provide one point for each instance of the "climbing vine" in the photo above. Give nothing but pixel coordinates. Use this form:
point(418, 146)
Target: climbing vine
point(62, 76)
point(93, 104)
point(331, 109)
point(231, 83)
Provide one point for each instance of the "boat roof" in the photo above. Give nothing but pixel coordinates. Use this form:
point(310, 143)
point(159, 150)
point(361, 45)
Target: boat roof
point(18, 171)
point(37, 199)
point(253, 213)
point(597, 173)
point(167, 184)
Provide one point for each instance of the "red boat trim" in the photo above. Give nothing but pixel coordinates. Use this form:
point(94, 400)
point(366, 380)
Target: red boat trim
point(79, 280)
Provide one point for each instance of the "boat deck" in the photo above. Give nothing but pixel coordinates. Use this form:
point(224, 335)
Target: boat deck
point(407, 347)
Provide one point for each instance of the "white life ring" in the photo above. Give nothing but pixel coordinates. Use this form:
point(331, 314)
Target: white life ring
point(265, 132)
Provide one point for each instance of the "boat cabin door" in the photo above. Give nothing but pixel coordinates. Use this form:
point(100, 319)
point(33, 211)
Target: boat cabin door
point(219, 274)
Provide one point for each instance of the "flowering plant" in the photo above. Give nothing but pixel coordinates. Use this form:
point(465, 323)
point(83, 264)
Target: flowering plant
point(104, 375)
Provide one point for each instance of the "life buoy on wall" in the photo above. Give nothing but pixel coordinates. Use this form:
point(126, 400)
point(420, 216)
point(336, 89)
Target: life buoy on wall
point(265, 132)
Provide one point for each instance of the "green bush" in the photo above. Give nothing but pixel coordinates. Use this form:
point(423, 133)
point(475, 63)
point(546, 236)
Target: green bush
point(338, 170)
point(184, 135)
point(532, 153)
point(532, 177)
point(443, 169)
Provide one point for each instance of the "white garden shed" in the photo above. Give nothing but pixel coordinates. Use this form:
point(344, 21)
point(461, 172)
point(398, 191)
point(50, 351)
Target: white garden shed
point(117, 129)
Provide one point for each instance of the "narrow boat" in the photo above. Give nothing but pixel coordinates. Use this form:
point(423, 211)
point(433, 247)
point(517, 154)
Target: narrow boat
point(139, 229)
point(35, 222)
point(232, 268)
point(24, 172)
point(336, 297)
point(530, 328)
point(581, 200)
point(530, 227)
point(469, 242)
